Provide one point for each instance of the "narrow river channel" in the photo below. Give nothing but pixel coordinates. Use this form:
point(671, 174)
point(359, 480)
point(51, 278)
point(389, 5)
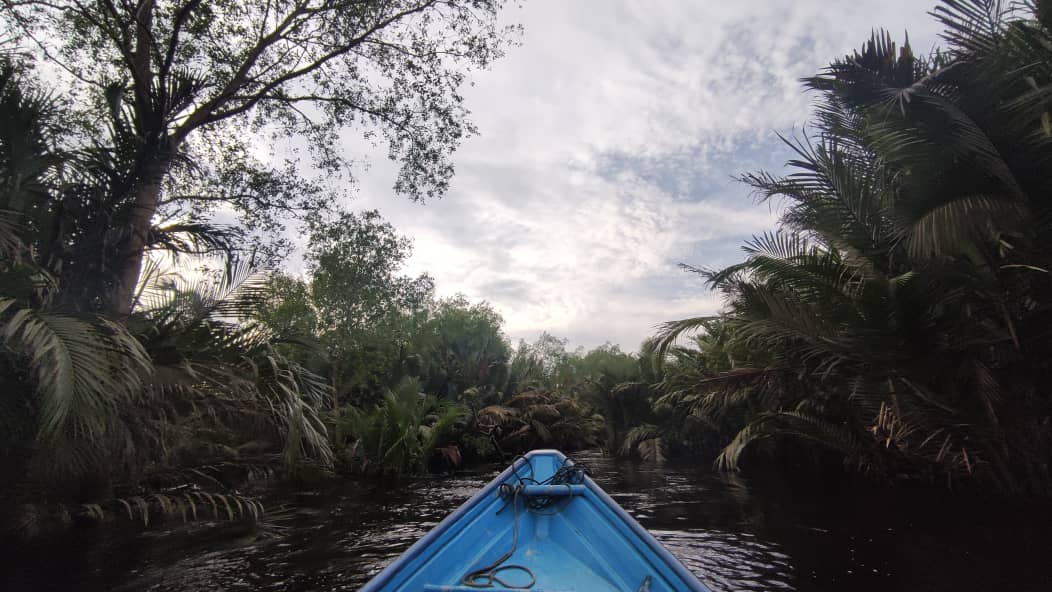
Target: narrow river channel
point(735, 535)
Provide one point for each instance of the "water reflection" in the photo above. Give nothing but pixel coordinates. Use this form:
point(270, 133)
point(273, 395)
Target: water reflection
point(733, 535)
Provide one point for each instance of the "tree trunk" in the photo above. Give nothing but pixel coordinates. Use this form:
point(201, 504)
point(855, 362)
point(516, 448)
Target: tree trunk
point(155, 159)
point(147, 198)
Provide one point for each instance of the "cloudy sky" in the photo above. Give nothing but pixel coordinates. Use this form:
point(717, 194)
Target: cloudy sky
point(608, 141)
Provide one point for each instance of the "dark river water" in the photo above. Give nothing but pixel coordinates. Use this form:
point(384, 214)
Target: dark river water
point(735, 535)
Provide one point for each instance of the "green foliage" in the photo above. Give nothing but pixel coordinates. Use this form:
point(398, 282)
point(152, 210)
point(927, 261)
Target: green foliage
point(192, 505)
point(84, 371)
point(612, 383)
point(476, 446)
point(226, 370)
point(96, 400)
point(540, 419)
point(70, 373)
point(647, 441)
point(119, 371)
point(400, 434)
point(180, 100)
point(287, 308)
point(354, 262)
point(897, 316)
point(460, 346)
point(367, 312)
point(525, 370)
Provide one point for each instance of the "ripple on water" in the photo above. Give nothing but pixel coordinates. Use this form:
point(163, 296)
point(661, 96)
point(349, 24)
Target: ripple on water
point(732, 538)
point(344, 540)
point(726, 561)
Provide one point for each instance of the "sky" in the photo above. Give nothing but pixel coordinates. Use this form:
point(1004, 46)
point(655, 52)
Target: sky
point(607, 148)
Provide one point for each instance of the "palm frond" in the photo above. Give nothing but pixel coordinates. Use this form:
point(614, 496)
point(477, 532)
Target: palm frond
point(496, 414)
point(11, 245)
point(84, 369)
point(791, 424)
point(647, 441)
point(947, 228)
point(195, 238)
point(670, 332)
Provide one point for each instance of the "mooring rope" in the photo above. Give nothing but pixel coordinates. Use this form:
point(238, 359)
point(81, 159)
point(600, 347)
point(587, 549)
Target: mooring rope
point(485, 577)
point(569, 474)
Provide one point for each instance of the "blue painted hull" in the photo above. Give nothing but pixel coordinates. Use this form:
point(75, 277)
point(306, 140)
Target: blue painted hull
point(581, 540)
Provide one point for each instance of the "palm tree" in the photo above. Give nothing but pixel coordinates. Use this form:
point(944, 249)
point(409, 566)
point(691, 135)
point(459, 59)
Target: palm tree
point(95, 399)
point(400, 434)
point(235, 376)
point(900, 317)
point(66, 374)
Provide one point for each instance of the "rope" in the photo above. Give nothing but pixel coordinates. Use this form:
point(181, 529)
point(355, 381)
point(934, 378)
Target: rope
point(485, 577)
point(568, 474)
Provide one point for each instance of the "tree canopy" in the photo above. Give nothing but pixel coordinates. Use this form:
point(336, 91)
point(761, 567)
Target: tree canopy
point(189, 99)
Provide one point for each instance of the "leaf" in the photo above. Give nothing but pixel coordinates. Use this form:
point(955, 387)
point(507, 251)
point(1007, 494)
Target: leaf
point(211, 500)
point(127, 507)
point(164, 502)
point(647, 441)
point(144, 509)
point(944, 229)
point(95, 511)
point(653, 450)
point(240, 508)
point(497, 414)
point(84, 368)
point(193, 506)
point(226, 504)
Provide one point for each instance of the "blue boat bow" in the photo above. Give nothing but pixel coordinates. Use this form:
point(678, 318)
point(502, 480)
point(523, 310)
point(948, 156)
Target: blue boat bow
point(542, 525)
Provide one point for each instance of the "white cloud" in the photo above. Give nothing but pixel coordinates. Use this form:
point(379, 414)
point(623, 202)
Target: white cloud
point(607, 144)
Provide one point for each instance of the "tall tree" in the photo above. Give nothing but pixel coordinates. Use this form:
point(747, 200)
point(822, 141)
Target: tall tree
point(287, 309)
point(88, 401)
point(461, 346)
point(355, 262)
point(366, 307)
point(196, 88)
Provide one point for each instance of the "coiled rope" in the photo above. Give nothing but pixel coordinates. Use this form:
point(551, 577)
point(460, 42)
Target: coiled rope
point(568, 473)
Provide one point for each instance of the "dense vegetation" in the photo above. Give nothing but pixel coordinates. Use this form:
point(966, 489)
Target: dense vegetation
point(901, 315)
point(897, 324)
point(123, 378)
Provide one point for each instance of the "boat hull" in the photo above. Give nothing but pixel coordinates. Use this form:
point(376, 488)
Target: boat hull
point(575, 538)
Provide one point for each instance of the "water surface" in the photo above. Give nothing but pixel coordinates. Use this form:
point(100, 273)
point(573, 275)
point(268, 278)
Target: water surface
point(733, 534)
